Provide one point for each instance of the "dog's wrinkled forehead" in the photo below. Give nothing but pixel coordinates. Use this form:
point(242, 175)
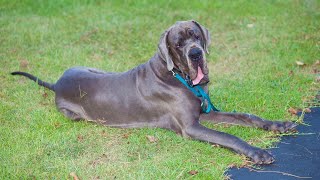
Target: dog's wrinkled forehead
point(183, 30)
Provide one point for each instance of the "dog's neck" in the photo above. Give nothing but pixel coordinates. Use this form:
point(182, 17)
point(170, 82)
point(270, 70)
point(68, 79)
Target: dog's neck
point(159, 66)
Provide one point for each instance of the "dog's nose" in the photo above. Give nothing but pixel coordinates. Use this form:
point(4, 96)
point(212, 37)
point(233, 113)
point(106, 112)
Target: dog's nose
point(195, 54)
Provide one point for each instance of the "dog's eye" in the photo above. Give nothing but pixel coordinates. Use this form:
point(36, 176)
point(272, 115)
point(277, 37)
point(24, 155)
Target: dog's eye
point(191, 32)
point(197, 37)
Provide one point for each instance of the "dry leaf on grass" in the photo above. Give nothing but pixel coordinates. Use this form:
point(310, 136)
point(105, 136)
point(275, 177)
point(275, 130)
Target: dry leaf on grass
point(74, 176)
point(291, 73)
point(193, 172)
point(215, 145)
point(152, 139)
point(103, 133)
point(232, 165)
point(292, 110)
point(56, 124)
point(250, 25)
point(45, 95)
point(307, 110)
point(315, 71)
point(300, 63)
point(126, 135)
point(80, 138)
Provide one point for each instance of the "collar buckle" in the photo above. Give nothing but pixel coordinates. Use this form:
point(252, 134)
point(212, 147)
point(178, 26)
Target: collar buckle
point(173, 73)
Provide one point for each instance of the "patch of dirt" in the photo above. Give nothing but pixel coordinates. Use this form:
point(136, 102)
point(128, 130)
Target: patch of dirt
point(101, 159)
point(24, 63)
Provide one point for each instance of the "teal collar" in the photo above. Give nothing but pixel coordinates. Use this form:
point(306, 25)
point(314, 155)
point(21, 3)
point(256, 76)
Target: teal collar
point(197, 90)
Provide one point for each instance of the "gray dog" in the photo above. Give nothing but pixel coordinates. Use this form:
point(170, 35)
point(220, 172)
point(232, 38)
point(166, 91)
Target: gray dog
point(150, 96)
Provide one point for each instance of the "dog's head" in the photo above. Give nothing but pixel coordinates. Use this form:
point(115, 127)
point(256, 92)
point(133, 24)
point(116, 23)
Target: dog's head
point(184, 46)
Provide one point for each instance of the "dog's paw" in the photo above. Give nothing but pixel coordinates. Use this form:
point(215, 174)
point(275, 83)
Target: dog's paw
point(260, 156)
point(281, 127)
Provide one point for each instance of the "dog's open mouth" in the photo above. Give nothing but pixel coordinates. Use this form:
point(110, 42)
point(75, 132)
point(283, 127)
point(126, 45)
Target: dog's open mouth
point(199, 77)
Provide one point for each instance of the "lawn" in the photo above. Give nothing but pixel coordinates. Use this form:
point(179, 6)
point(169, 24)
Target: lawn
point(253, 68)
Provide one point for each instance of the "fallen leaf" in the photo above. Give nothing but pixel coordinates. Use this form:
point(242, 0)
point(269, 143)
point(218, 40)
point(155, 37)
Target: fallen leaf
point(44, 103)
point(57, 124)
point(226, 125)
point(317, 63)
point(80, 138)
point(97, 57)
point(13, 50)
point(103, 133)
point(315, 71)
point(250, 25)
point(306, 37)
point(125, 136)
point(307, 110)
point(31, 176)
point(45, 95)
point(232, 166)
point(292, 110)
point(110, 53)
point(104, 155)
point(193, 172)
point(215, 145)
point(152, 139)
point(253, 19)
point(74, 176)
point(291, 73)
point(300, 63)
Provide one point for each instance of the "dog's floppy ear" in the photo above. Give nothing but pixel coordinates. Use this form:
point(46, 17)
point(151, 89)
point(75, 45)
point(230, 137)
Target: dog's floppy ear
point(206, 36)
point(164, 50)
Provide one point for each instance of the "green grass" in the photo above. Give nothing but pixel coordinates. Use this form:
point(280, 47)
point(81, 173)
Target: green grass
point(252, 69)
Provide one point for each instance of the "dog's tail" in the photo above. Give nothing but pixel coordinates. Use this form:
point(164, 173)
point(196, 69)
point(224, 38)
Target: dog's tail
point(35, 79)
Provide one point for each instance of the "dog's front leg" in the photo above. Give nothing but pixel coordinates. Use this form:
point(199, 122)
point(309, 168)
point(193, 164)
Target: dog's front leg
point(248, 120)
point(199, 132)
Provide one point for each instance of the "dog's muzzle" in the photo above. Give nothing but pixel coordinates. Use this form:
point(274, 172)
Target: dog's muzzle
point(195, 54)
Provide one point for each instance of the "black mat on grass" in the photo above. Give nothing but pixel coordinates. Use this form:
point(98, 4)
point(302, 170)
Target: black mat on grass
point(297, 157)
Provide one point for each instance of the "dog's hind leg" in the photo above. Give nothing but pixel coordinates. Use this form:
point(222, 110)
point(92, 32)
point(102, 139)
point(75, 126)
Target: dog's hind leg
point(70, 114)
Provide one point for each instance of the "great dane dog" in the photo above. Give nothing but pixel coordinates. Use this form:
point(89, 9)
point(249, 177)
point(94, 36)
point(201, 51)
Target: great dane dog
point(150, 96)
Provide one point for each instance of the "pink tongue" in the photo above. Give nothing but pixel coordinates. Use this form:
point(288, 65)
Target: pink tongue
point(199, 77)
